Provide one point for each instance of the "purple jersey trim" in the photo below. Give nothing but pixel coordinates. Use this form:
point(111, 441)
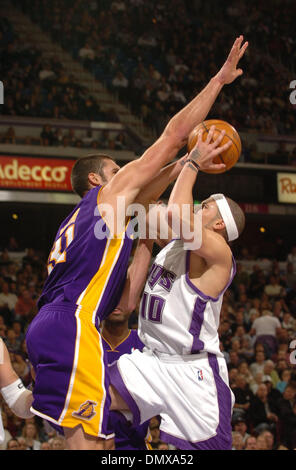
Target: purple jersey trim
point(223, 438)
point(118, 383)
point(196, 289)
point(196, 324)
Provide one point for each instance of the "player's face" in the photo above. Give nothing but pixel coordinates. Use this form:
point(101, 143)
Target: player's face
point(117, 316)
point(209, 212)
point(110, 169)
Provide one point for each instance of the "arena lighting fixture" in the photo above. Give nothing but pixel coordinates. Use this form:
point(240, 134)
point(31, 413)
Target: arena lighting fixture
point(15, 216)
point(262, 229)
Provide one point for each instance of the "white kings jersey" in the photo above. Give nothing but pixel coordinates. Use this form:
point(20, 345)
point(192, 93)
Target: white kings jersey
point(175, 316)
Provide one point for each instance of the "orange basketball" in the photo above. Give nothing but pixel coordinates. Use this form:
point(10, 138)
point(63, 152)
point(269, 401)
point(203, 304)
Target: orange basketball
point(230, 156)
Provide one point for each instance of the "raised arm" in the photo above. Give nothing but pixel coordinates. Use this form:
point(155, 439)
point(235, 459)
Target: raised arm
point(136, 276)
point(168, 174)
point(181, 216)
point(135, 175)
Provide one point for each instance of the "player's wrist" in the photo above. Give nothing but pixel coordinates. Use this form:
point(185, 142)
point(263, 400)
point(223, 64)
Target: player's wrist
point(193, 165)
point(218, 80)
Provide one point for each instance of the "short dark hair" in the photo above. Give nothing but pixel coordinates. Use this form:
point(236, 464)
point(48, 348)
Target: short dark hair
point(238, 215)
point(81, 169)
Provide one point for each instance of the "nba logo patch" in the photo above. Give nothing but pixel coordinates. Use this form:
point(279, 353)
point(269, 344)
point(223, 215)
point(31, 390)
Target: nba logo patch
point(199, 374)
point(86, 410)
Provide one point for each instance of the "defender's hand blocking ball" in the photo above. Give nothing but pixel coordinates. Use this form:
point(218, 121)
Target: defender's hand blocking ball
point(228, 156)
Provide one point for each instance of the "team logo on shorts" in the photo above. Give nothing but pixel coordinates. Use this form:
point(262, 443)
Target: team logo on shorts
point(199, 374)
point(86, 410)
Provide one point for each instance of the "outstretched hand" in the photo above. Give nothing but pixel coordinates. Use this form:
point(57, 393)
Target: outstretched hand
point(229, 71)
point(204, 152)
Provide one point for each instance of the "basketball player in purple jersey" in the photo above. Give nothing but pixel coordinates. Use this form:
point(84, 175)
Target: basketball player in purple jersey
point(117, 340)
point(87, 274)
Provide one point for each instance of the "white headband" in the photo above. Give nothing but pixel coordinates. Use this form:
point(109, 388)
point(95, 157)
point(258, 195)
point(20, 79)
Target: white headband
point(227, 216)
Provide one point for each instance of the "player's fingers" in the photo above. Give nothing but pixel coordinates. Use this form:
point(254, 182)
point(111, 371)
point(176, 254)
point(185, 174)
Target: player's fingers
point(210, 134)
point(219, 139)
point(236, 45)
point(239, 42)
point(221, 149)
point(217, 166)
point(199, 137)
point(243, 49)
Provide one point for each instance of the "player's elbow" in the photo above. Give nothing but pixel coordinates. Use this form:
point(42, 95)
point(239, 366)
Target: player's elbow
point(174, 135)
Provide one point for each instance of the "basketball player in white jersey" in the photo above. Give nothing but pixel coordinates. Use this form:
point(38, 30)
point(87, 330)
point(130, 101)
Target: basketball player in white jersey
point(13, 391)
point(181, 374)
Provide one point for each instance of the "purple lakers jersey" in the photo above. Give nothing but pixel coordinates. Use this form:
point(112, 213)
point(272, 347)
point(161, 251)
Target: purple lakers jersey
point(86, 267)
point(130, 343)
point(127, 437)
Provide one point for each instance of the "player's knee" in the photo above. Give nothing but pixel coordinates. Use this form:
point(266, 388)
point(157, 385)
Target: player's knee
point(78, 439)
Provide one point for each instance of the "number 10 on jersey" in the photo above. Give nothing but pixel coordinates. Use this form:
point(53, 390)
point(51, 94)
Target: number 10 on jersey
point(152, 307)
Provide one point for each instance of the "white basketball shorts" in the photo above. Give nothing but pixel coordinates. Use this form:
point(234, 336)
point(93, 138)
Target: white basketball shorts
point(190, 393)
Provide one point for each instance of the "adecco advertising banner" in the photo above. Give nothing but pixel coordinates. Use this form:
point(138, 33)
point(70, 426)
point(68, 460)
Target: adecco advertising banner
point(286, 184)
point(48, 174)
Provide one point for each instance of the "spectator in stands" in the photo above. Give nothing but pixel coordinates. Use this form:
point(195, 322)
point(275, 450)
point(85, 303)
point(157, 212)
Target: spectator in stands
point(288, 323)
point(243, 396)
point(120, 141)
point(273, 394)
point(88, 138)
point(273, 289)
point(243, 369)
point(71, 137)
point(237, 441)
point(269, 372)
point(240, 425)
point(11, 341)
point(257, 380)
point(291, 257)
point(120, 81)
point(285, 377)
point(25, 307)
point(280, 156)
point(7, 299)
point(45, 446)
point(9, 136)
point(265, 329)
point(269, 440)
point(22, 443)
point(251, 443)
point(87, 54)
point(47, 136)
point(30, 433)
point(57, 443)
point(261, 413)
point(258, 364)
point(290, 277)
point(12, 444)
point(7, 434)
point(233, 360)
point(287, 414)
point(46, 73)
